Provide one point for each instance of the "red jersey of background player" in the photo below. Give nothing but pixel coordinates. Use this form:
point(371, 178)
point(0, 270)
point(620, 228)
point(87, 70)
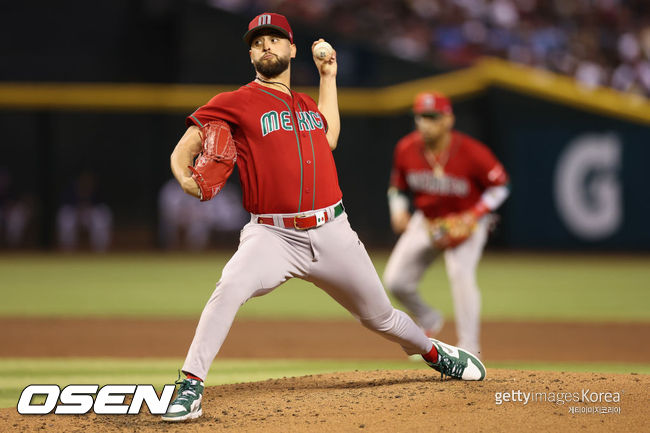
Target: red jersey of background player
point(284, 160)
point(470, 168)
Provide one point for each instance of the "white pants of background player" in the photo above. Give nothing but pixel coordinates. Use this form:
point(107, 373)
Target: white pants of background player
point(330, 256)
point(411, 257)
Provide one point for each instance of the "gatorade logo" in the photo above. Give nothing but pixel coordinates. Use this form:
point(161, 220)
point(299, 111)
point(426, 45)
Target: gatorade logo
point(588, 192)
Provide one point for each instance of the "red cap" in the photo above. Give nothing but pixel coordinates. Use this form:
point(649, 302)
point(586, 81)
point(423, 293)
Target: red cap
point(268, 20)
point(431, 102)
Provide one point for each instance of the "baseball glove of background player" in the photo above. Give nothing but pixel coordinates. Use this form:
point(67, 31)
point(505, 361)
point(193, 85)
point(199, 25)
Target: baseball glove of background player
point(452, 230)
point(216, 161)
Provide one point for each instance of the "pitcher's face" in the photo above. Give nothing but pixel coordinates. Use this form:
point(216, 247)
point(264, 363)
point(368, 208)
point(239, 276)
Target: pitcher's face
point(271, 54)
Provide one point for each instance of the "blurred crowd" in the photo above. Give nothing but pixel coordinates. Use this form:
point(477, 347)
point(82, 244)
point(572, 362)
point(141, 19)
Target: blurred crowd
point(599, 42)
point(187, 223)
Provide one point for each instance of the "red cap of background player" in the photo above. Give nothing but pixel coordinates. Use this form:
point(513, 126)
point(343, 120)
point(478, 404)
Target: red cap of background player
point(268, 20)
point(430, 103)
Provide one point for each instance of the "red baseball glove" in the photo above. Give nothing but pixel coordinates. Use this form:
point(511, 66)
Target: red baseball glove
point(452, 230)
point(216, 161)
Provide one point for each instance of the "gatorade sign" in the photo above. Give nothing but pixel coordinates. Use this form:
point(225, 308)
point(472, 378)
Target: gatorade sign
point(587, 188)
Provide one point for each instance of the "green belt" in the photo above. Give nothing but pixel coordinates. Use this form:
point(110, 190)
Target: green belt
point(338, 209)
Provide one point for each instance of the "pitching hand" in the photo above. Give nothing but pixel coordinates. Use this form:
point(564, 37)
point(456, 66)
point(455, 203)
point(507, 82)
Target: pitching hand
point(327, 67)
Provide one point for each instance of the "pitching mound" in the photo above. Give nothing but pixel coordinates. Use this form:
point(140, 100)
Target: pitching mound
point(394, 401)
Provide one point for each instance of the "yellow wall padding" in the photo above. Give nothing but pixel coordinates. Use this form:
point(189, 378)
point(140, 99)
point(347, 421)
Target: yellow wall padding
point(183, 98)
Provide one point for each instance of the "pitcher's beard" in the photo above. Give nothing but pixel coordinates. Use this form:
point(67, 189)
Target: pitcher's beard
point(271, 69)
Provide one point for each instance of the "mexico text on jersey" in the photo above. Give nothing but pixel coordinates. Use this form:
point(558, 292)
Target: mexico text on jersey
point(284, 160)
point(307, 121)
point(470, 170)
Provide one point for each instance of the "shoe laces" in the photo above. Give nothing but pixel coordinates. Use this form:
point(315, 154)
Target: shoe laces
point(450, 367)
point(185, 390)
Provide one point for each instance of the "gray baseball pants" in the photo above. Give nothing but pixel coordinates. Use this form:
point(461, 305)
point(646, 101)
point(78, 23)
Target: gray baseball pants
point(411, 257)
point(330, 256)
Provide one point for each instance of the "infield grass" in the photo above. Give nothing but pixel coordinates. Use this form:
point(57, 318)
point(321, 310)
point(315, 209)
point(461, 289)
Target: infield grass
point(17, 373)
point(513, 286)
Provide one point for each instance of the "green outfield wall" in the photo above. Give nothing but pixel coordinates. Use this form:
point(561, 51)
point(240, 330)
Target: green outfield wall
point(576, 156)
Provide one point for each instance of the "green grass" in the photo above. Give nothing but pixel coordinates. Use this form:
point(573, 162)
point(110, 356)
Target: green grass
point(17, 373)
point(514, 287)
point(590, 367)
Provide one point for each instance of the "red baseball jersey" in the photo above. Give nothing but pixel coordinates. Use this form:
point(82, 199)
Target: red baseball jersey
point(470, 169)
point(284, 160)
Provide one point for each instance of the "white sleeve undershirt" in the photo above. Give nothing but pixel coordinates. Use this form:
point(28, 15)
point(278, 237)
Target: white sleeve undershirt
point(398, 202)
point(494, 196)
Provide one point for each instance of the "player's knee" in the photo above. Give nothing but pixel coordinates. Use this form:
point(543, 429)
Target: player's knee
point(459, 274)
point(463, 282)
point(382, 323)
point(394, 285)
point(229, 295)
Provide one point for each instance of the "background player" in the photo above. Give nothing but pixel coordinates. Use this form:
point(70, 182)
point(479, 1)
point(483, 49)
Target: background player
point(298, 225)
point(454, 181)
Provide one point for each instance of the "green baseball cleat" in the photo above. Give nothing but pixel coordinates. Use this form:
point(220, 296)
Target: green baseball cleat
point(456, 362)
point(187, 404)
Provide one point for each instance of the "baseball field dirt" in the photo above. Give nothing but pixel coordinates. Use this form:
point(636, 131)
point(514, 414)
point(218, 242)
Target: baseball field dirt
point(376, 401)
point(345, 339)
point(391, 401)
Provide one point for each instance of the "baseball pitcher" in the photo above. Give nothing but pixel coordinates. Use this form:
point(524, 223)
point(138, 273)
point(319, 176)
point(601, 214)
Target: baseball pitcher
point(455, 182)
point(282, 143)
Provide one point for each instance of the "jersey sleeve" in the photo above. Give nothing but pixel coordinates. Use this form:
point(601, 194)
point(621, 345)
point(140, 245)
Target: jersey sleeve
point(221, 107)
point(488, 169)
point(398, 173)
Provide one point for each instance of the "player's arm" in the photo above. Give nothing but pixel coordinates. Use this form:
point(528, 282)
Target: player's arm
point(398, 205)
point(496, 192)
point(328, 102)
point(491, 199)
point(398, 200)
point(183, 156)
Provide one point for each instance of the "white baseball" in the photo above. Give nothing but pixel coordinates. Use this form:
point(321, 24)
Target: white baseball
point(323, 50)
